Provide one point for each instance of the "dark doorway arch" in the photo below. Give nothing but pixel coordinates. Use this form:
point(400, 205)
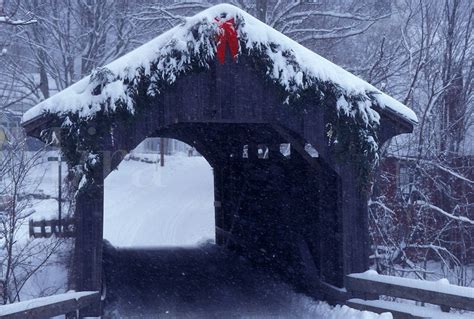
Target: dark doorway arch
point(281, 212)
point(150, 205)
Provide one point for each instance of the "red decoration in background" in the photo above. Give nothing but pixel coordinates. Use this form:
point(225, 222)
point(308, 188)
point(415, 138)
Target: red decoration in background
point(227, 35)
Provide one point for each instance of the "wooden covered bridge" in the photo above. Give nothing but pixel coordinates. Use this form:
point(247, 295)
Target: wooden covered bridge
point(243, 95)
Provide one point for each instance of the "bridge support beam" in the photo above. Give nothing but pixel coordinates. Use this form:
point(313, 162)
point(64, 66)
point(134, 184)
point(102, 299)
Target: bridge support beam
point(355, 224)
point(89, 215)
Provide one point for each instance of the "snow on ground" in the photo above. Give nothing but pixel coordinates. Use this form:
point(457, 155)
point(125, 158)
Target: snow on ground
point(41, 183)
point(149, 205)
point(324, 311)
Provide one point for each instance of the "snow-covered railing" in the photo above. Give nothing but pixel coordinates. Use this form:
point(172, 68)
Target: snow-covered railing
point(370, 285)
point(51, 306)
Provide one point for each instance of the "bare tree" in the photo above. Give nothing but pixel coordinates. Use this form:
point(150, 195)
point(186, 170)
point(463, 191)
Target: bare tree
point(20, 257)
point(8, 18)
point(430, 214)
point(68, 41)
point(305, 21)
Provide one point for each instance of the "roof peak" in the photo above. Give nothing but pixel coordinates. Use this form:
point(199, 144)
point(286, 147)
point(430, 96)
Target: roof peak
point(305, 66)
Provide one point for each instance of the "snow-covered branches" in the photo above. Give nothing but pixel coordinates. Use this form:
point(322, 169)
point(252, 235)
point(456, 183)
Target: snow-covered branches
point(425, 205)
point(10, 21)
point(301, 20)
point(431, 200)
point(20, 257)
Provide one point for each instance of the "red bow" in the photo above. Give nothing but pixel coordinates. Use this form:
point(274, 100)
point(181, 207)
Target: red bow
point(227, 35)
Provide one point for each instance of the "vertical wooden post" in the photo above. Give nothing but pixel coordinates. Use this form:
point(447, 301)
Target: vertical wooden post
point(355, 224)
point(43, 228)
point(162, 151)
point(89, 235)
point(31, 228)
point(218, 203)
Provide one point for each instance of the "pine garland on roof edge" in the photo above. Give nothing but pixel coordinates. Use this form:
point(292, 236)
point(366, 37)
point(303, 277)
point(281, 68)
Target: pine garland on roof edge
point(350, 134)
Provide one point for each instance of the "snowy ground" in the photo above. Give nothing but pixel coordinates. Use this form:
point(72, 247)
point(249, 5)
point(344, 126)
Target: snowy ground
point(148, 205)
point(42, 181)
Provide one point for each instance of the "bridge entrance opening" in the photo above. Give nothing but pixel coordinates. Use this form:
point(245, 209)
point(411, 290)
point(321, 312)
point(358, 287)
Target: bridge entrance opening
point(274, 202)
point(148, 203)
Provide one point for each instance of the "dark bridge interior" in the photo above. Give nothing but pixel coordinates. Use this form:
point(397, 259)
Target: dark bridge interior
point(273, 207)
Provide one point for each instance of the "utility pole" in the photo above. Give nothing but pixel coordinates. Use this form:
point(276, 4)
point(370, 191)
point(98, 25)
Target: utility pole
point(59, 192)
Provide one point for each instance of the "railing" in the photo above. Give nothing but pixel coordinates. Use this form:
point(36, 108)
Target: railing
point(46, 228)
point(68, 304)
point(367, 287)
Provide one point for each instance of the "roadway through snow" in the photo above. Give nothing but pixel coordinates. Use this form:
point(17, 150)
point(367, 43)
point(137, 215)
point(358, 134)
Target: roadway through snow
point(200, 282)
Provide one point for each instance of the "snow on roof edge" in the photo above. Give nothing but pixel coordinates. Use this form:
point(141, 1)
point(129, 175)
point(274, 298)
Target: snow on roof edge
point(78, 97)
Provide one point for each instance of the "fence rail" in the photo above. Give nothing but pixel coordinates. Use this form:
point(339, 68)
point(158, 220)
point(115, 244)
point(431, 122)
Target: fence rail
point(46, 307)
point(46, 228)
point(366, 288)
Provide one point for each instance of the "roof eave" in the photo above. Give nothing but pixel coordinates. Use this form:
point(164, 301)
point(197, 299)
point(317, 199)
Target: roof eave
point(35, 126)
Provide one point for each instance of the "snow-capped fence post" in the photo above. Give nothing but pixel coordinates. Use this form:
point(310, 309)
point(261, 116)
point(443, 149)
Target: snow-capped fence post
point(43, 228)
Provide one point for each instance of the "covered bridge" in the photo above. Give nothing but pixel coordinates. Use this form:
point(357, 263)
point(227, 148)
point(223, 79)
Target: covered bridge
point(251, 101)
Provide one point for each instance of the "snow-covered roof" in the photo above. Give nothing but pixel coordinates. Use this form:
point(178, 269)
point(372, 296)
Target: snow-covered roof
point(253, 34)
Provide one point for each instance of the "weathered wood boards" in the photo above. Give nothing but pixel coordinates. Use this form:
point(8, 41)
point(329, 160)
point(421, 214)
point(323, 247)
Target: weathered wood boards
point(370, 286)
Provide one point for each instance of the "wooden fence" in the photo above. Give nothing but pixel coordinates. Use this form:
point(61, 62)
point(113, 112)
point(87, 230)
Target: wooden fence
point(46, 228)
point(366, 288)
point(68, 304)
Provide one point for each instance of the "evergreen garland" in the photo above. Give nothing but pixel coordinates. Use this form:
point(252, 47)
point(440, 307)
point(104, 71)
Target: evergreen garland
point(351, 133)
